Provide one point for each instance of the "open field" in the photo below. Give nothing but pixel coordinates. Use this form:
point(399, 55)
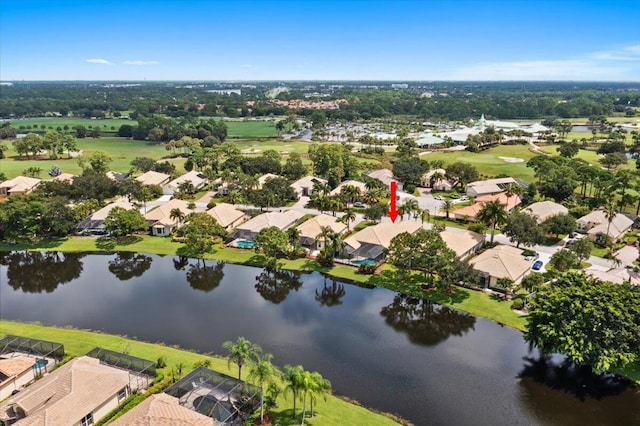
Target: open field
point(105, 124)
point(251, 129)
point(121, 150)
point(488, 161)
point(333, 411)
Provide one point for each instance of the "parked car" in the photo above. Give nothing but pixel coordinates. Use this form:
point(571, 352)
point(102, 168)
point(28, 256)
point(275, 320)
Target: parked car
point(532, 257)
point(537, 265)
point(439, 198)
point(359, 204)
point(573, 235)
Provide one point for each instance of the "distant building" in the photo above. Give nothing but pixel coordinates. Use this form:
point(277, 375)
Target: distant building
point(304, 187)
point(490, 186)
point(399, 86)
point(197, 179)
point(153, 178)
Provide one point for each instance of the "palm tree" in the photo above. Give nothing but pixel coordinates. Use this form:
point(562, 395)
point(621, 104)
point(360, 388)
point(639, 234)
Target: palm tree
point(334, 205)
point(294, 235)
point(412, 206)
point(493, 214)
point(348, 216)
point(435, 178)
point(447, 205)
point(307, 386)
point(511, 190)
point(263, 373)
point(322, 387)
point(610, 214)
point(293, 380)
point(240, 352)
point(402, 210)
point(176, 214)
point(425, 216)
point(325, 235)
point(235, 197)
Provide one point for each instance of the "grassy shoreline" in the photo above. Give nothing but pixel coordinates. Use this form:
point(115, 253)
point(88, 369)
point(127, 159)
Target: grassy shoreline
point(334, 411)
point(474, 302)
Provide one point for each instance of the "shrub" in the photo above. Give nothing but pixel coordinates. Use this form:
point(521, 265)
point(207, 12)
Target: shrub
point(367, 269)
point(410, 188)
point(161, 362)
point(476, 227)
point(517, 304)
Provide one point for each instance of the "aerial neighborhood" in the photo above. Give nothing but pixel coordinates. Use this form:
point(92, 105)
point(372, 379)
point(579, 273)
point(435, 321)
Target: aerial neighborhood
point(497, 215)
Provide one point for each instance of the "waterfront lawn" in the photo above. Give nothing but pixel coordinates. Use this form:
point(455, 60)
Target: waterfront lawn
point(333, 411)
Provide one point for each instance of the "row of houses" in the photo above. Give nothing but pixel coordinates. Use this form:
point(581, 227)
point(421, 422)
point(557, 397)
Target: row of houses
point(85, 389)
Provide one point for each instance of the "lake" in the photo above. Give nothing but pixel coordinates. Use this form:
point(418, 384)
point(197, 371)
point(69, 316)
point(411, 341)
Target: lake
point(430, 364)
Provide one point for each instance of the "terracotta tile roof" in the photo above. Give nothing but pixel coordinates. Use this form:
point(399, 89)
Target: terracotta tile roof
point(16, 365)
point(162, 410)
point(153, 178)
point(312, 227)
point(472, 211)
point(225, 214)
point(382, 233)
point(501, 262)
point(69, 393)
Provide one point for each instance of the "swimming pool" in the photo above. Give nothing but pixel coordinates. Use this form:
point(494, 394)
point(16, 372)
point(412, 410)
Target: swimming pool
point(40, 363)
point(363, 262)
point(244, 244)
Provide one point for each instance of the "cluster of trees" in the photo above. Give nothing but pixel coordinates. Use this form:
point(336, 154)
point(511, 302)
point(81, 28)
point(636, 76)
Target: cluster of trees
point(425, 251)
point(593, 323)
point(52, 141)
point(303, 385)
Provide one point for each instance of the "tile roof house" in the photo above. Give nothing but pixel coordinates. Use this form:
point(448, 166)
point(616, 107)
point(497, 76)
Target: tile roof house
point(226, 215)
point(464, 243)
point(95, 221)
point(153, 178)
point(160, 220)
point(616, 275)
point(385, 176)
point(264, 178)
point(470, 212)
point(18, 185)
point(310, 230)
point(443, 184)
point(500, 262)
point(116, 176)
point(15, 372)
point(543, 210)
point(356, 183)
point(304, 186)
point(373, 240)
point(282, 220)
point(162, 410)
point(490, 186)
point(596, 223)
point(82, 391)
point(64, 177)
point(197, 179)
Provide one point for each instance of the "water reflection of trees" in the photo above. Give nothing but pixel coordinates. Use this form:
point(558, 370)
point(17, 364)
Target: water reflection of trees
point(275, 285)
point(180, 263)
point(205, 277)
point(425, 322)
point(330, 295)
point(127, 265)
point(37, 272)
point(569, 377)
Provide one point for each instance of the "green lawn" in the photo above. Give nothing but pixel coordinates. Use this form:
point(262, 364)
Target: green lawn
point(251, 129)
point(121, 150)
point(333, 411)
point(488, 161)
point(55, 122)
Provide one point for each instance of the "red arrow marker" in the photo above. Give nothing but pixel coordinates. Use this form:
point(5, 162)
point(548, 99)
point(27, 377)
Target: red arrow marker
point(393, 212)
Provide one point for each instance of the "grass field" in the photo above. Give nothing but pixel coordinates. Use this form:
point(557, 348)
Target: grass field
point(55, 122)
point(333, 411)
point(488, 161)
point(251, 129)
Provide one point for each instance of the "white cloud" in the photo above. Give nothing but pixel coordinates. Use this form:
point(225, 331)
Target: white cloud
point(99, 61)
point(540, 70)
point(141, 62)
point(629, 53)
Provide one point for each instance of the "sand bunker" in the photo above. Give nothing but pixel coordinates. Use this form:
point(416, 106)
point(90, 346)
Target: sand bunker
point(512, 159)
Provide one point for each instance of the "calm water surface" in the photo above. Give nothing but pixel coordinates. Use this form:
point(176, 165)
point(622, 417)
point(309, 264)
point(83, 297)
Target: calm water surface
point(431, 365)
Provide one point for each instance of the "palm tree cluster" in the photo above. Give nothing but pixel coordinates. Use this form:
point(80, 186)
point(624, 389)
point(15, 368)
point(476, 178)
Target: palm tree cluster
point(302, 384)
point(333, 244)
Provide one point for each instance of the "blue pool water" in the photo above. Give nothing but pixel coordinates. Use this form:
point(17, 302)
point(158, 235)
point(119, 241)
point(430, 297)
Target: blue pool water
point(40, 363)
point(363, 262)
point(244, 244)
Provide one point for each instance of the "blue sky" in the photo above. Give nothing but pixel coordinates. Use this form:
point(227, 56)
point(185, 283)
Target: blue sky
point(328, 40)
